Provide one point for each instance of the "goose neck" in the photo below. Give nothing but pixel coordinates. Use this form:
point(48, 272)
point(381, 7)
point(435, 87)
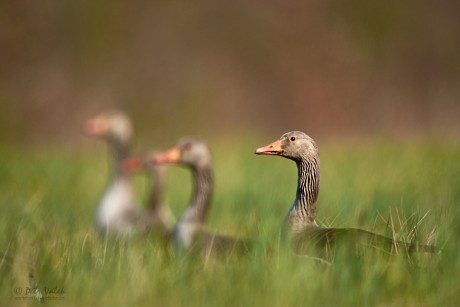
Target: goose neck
point(203, 181)
point(303, 211)
point(119, 152)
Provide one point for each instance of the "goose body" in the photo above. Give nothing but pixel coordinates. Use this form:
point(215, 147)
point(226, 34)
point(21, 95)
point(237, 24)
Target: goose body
point(117, 211)
point(300, 225)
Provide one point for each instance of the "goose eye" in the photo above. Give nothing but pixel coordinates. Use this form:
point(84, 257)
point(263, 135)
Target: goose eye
point(292, 138)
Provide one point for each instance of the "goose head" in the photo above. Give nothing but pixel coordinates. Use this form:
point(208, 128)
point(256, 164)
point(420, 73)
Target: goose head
point(112, 126)
point(294, 145)
point(191, 152)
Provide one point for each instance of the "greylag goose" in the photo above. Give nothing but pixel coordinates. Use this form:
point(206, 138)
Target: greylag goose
point(159, 214)
point(300, 224)
point(117, 211)
point(189, 231)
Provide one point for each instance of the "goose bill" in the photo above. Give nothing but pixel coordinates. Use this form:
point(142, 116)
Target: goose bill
point(271, 149)
point(170, 156)
point(96, 126)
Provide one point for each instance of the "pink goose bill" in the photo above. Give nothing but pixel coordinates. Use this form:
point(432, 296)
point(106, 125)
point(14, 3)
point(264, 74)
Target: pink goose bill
point(271, 149)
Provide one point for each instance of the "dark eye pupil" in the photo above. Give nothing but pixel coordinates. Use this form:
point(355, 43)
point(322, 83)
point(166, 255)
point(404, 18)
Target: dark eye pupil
point(292, 138)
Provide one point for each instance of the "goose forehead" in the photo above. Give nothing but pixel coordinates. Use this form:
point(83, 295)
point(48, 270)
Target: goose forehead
point(298, 134)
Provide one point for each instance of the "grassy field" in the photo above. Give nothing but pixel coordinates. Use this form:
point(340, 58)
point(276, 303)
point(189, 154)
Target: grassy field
point(47, 201)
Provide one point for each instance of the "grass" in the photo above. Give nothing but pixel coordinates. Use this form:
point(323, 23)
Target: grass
point(48, 199)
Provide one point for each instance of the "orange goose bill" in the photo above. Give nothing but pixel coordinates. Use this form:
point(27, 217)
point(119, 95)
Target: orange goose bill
point(169, 156)
point(271, 149)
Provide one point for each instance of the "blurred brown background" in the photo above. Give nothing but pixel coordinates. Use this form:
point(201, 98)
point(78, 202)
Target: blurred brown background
point(217, 68)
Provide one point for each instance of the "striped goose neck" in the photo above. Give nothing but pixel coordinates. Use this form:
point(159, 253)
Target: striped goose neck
point(203, 181)
point(303, 211)
point(192, 219)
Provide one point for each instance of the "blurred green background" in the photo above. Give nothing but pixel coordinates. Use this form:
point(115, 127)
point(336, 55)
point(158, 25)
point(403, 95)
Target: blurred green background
point(217, 68)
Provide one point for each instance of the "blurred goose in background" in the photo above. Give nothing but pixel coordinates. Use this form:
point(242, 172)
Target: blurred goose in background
point(117, 212)
point(300, 224)
point(160, 217)
point(159, 213)
point(189, 232)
